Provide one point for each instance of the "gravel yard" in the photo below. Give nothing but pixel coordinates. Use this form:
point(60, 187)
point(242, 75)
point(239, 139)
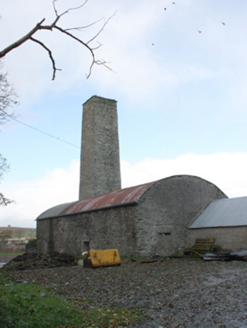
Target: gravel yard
point(173, 293)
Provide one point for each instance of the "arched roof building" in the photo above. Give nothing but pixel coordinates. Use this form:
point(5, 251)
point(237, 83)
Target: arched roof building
point(144, 220)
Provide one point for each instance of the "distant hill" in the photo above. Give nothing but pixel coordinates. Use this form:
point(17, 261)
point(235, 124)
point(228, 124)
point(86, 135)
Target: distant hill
point(17, 232)
point(16, 228)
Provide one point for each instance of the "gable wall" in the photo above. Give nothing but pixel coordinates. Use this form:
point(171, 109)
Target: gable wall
point(167, 208)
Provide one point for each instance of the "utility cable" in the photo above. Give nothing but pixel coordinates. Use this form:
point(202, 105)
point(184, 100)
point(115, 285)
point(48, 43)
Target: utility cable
point(32, 127)
point(68, 143)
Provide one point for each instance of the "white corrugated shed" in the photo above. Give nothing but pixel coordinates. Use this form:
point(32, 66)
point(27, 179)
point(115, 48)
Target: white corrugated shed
point(229, 212)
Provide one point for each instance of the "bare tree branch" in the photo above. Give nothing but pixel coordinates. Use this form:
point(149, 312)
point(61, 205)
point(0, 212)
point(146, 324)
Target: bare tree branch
point(68, 10)
point(21, 40)
point(7, 93)
point(8, 98)
point(4, 168)
point(95, 48)
point(97, 62)
point(83, 43)
point(104, 63)
point(5, 201)
point(50, 55)
point(40, 26)
point(83, 27)
point(102, 28)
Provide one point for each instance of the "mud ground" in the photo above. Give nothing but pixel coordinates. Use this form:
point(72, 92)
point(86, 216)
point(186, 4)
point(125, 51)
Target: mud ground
point(173, 293)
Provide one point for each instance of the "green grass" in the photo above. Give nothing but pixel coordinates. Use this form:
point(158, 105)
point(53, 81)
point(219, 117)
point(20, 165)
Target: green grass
point(131, 257)
point(28, 305)
point(11, 254)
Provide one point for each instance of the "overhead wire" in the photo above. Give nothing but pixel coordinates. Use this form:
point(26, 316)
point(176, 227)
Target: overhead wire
point(36, 129)
point(64, 141)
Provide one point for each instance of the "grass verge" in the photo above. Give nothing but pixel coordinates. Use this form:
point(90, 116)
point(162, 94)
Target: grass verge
point(11, 254)
point(28, 305)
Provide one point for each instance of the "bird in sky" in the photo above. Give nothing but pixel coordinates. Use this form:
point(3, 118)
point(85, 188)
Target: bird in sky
point(173, 3)
point(199, 31)
point(164, 8)
point(223, 23)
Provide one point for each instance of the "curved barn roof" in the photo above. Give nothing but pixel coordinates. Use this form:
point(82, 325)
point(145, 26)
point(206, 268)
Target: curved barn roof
point(115, 198)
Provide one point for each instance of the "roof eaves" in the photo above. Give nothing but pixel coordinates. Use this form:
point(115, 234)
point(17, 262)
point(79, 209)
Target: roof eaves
point(214, 227)
point(88, 211)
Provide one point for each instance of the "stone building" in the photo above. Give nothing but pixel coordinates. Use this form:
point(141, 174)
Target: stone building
point(149, 219)
point(144, 220)
point(225, 220)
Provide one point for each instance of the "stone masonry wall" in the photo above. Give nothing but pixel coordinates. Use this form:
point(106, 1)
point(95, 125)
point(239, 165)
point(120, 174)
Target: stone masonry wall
point(100, 165)
point(43, 235)
point(226, 238)
point(156, 225)
point(167, 208)
point(105, 229)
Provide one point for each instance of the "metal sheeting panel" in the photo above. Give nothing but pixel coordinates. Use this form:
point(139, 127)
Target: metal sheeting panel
point(53, 211)
point(223, 213)
point(115, 198)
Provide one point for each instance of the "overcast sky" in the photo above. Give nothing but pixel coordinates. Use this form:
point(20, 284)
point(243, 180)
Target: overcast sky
point(179, 77)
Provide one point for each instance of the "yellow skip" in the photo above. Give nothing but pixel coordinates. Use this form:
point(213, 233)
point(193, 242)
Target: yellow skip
point(98, 258)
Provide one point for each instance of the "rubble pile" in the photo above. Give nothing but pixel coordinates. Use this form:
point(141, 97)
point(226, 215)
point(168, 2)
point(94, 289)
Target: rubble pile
point(29, 261)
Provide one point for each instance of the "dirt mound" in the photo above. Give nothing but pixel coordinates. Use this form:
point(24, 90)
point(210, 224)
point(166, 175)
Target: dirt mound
point(29, 261)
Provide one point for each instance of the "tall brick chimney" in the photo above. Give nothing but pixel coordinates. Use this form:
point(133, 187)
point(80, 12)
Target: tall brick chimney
point(100, 165)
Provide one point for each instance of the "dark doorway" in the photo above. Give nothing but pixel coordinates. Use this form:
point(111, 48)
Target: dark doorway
point(85, 246)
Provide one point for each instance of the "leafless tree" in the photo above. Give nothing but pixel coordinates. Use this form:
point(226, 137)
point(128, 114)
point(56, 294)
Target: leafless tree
point(40, 26)
point(4, 167)
point(8, 97)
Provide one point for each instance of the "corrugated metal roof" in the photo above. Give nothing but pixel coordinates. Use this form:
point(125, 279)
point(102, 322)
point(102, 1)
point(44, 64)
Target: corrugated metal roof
point(53, 211)
point(223, 213)
point(115, 198)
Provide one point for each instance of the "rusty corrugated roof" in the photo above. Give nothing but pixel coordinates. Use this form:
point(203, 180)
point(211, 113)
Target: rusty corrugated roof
point(115, 198)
